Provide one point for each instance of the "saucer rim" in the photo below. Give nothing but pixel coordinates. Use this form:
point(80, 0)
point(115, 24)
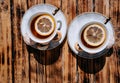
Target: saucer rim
point(77, 17)
point(62, 20)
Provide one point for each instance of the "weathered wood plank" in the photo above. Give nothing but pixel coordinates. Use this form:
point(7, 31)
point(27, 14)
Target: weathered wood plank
point(5, 43)
point(20, 54)
point(103, 74)
point(114, 59)
point(37, 58)
point(25, 55)
point(34, 2)
point(68, 58)
point(84, 6)
point(23, 64)
point(54, 57)
point(109, 73)
point(117, 30)
point(118, 42)
point(56, 3)
point(17, 40)
point(1, 42)
point(85, 66)
point(54, 66)
point(37, 66)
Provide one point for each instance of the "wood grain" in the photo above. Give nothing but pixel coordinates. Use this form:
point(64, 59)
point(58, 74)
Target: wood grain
point(25, 56)
point(114, 71)
point(54, 57)
point(5, 43)
point(37, 69)
point(69, 59)
point(85, 66)
point(20, 63)
point(110, 71)
point(103, 75)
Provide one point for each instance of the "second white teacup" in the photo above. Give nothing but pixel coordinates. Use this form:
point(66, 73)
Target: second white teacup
point(93, 37)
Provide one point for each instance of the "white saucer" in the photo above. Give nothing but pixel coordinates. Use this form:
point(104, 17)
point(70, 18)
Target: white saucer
point(48, 9)
point(82, 20)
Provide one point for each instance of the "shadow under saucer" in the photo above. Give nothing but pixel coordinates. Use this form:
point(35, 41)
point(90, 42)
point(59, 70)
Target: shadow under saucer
point(46, 57)
point(93, 65)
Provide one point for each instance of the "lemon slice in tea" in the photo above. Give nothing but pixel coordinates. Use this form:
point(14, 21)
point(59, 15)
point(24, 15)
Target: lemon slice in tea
point(94, 35)
point(44, 25)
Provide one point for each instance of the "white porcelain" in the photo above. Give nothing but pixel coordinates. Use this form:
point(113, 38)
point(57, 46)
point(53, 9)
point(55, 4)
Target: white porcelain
point(36, 39)
point(95, 50)
point(78, 24)
point(30, 39)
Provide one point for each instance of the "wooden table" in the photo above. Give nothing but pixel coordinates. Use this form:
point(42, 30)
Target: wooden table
point(20, 63)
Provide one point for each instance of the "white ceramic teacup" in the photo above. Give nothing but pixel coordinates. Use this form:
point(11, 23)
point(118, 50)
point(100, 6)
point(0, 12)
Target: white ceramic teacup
point(96, 49)
point(43, 39)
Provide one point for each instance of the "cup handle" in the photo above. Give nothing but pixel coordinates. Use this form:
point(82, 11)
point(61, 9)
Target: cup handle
point(60, 25)
point(77, 47)
point(58, 35)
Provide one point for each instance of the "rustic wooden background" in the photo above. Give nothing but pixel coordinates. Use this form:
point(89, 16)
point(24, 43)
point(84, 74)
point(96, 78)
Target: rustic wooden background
point(22, 64)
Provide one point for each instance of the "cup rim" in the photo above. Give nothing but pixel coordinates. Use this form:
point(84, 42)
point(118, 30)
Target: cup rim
point(36, 39)
point(95, 50)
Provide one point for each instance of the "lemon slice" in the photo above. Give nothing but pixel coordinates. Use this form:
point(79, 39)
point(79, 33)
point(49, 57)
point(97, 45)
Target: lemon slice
point(94, 35)
point(44, 25)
